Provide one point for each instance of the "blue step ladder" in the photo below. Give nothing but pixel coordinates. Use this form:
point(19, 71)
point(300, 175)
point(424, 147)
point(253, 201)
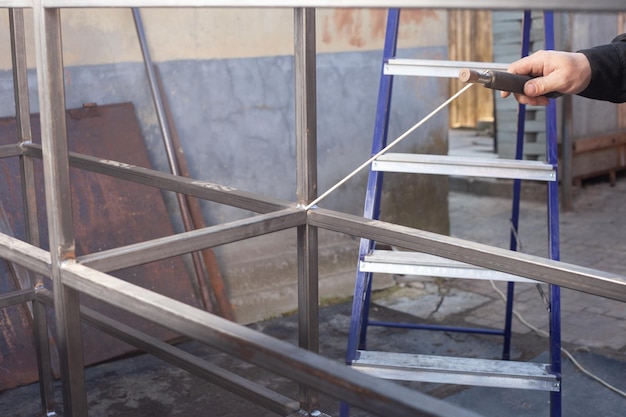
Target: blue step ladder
point(502, 373)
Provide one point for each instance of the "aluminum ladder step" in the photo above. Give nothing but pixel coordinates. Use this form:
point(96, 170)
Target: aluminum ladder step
point(455, 370)
point(415, 263)
point(435, 68)
point(465, 166)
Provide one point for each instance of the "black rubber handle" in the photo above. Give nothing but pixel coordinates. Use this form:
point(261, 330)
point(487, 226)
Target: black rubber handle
point(505, 81)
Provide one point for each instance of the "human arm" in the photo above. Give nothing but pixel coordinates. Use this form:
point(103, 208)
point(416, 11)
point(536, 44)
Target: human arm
point(608, 71)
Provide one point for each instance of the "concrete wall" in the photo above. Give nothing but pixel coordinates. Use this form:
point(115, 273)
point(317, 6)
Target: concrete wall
point(228, 76)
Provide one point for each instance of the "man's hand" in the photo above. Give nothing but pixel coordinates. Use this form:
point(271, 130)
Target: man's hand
point(555, 71)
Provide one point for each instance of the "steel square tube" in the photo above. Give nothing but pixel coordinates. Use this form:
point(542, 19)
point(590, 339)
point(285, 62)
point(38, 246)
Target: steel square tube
point(16, 3)
point(306, 187)
point(201, 189)
point(7, 151)
point(598, 5)
point(126, 295)
point(249, 390)
point(24, 254)
point(50, 78)
point(575, 277)
point(328, 376)
point(17, 297)
point(182, 243)
point(29, 191)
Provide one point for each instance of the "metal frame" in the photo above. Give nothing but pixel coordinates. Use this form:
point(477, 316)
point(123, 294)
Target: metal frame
point(72, 276)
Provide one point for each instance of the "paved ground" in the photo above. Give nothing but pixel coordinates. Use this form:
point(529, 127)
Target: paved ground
point(594, 329)
point(591, 235)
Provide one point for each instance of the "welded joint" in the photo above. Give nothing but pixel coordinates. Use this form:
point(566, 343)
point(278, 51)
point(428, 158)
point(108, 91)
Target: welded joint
point(306, 207)
point(23, 144)
point(304, 413)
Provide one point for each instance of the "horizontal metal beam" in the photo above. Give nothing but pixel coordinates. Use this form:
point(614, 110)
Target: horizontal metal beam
point(457, 370)
point(182, 243)
point(566, 275)
point(415, 263)
point(201, 189)
point(436, 68)
point(21, 253)
point(465, 166)
point(17, 297)
point(598, 5)
point(234, 383)
point(283, 358)
point(16, 3)
point(586, 5)
point(10, 150)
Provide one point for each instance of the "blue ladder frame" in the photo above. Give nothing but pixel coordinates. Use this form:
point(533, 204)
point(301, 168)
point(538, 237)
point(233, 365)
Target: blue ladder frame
point(361, 301)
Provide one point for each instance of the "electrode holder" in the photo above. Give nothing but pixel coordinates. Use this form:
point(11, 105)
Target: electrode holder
point(499, 80)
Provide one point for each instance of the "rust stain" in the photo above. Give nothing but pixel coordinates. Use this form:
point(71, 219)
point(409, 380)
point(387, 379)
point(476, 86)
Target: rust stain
point(378, 23)
point(357, 27)
point(409, 18)
point(417, 16)
point(326, 35)
point(349, 24)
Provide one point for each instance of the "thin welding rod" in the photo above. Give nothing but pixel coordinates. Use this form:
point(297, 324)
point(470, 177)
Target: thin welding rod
point(198, 263)
point(391, 145)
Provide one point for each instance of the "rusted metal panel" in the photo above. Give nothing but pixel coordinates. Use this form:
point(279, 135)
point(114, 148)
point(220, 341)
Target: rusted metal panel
point(108, 213)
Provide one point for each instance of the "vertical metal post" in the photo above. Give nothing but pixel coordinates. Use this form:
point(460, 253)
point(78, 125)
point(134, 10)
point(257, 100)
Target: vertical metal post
point(24, 131)
point(553, 230)
point(371, 208)
point(517, 187)
point(49, 56)
point(565, 171)
point(306, 187)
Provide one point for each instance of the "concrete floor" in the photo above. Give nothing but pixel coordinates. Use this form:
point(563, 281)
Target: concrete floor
point(145, 386)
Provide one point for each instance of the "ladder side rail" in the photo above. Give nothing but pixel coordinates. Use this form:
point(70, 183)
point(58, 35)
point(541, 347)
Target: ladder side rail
point(517, 187)
point(372, 199)
point(553, 225)
point(381, 130)
point(363, 285)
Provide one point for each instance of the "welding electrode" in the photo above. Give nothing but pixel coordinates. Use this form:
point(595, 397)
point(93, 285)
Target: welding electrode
point(499, 80)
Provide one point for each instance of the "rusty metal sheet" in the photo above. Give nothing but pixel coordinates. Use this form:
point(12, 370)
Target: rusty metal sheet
point(108, 213)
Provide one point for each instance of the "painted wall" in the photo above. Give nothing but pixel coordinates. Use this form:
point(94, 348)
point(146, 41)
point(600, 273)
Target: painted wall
point(228, 76)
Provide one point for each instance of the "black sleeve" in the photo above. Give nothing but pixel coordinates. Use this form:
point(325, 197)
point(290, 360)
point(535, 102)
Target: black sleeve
point(608, 71)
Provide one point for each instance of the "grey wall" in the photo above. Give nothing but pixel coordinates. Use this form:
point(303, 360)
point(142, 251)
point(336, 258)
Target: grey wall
point(591, 116)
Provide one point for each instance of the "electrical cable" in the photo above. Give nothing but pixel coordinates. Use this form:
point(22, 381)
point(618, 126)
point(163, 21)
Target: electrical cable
point(563, 350)
point(391, 145)
point(546, 334)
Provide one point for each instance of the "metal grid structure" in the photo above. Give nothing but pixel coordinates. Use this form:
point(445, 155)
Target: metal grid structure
point(72, 276)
